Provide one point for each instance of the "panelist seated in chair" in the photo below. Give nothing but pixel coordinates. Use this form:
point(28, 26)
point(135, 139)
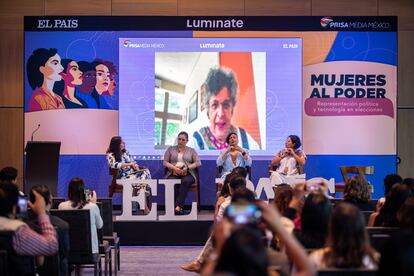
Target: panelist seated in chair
point(77, 200)
point(233, 156)
point(288, 162)
point(181, 162)
point(119, 158)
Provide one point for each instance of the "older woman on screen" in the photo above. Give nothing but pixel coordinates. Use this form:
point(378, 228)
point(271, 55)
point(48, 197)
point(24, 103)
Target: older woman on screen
point(181, 162)
point(289, 161)
point(220, 97)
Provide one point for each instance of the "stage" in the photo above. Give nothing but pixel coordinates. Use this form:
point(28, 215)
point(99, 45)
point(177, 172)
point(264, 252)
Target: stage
point(165, 233)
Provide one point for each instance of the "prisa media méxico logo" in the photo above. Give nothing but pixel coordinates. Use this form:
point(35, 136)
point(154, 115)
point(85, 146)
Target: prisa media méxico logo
point(327, 21)
point(126, 43)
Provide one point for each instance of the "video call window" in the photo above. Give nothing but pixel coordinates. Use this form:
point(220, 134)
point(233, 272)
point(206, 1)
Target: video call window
point(209, 87)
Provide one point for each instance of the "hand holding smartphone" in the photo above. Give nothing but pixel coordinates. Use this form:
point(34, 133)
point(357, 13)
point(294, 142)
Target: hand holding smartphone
point(21, 210)
point(243, 214)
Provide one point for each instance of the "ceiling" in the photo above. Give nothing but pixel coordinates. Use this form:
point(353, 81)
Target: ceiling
point(175, 66)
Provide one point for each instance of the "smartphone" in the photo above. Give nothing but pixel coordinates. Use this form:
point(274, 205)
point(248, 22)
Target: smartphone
point(88, 194)
point(243, 214)
point(21, 210)
point(313, 186)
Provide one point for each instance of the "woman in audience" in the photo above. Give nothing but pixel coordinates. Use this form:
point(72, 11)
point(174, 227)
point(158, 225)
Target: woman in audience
point(78, 200)
point(240, 250)
point(405, 215)
point(357, 192)
point(181, 162)
point(348, 243)
point(243, 253)
point(289, 161)
point(389, 181)
point(283, 197)
point(221, 205)
point(314, 220)
point(224, 193)
point(410, 183)
point(394, 200)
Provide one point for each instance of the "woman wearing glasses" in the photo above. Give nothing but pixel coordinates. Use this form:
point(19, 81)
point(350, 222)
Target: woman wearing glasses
point(180, 162)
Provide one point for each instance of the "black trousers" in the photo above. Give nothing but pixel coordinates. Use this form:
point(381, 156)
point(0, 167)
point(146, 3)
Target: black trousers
point(181, 191)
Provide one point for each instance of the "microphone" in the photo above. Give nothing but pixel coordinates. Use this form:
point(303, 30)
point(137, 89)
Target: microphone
point(34, 131)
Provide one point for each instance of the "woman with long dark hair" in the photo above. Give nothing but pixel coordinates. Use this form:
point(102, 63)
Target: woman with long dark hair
point(387, 216)
point(314, 221)
point(119, 158)
point(77, 200)
point(348, 243)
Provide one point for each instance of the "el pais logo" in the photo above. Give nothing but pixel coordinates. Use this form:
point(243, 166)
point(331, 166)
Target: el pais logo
point(57, 24)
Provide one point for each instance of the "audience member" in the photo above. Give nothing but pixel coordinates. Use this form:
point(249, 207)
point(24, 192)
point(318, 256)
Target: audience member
point(243, 253)
point(243, 196)
point(25, 241)
point(396, 197)
point(348, 244)
point(405, 215)
point(61, 226)
point(389, 181)
point(235, 183)
point(8, 174)
point(77, 200)
point(314, 220)
point(240, 249)
point(410, 183)
point(357, 192)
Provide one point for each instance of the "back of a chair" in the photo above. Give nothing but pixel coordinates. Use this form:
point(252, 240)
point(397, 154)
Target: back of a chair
point(56, 201)
point(4, 270)
point(80, 235)
point(15, 264)
point(379, 236)
point(100, 231)
point(106, 213)
point(346, 272)
point(356, 170)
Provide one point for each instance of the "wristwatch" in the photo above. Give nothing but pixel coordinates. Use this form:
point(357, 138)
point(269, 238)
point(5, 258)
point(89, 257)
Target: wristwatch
point(243, 153)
